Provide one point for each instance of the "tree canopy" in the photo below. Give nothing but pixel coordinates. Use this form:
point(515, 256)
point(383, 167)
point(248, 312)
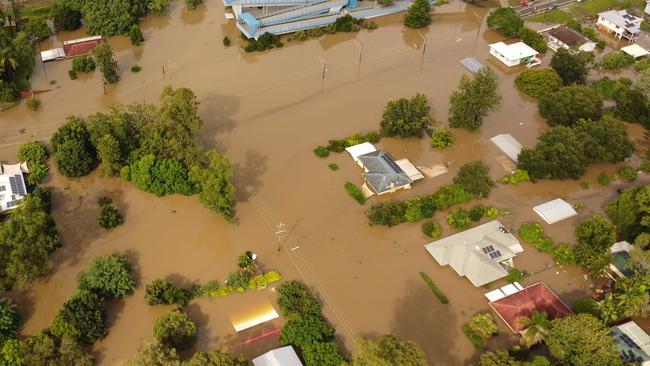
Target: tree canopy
point(631, 212)
point(473, 99)
point(506, 21)
point(109, 276)
point(217, 192)
point(571, 66)
point(538, 83)
point(175, 329)
point(82, 317)
point(569, 104)
point(418, 14)
point(74, 152)
point(10, 320)
point(406, 117)
point(387, 350)
point(474, 178)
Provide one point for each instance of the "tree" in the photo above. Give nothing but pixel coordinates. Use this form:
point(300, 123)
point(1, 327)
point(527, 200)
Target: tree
point(569, 104)
point(162, 291)
point(107, 63)
point(473, 99)
point(65, 16)
point(535, 40)
point(158, 7)
point(582, 340)
point(631, 211)
point(37, 28)
point(406, 117)
point(629, 298)
point(483, 325)
point(109, 276)
point(559, 154)
point(295, 299)
point(110, 155)
point(192, 4)
point(109, 216)
point(159, 176)
point(21, 53)
point(322, 354)
point(74, 151)
point(594, 236)
point(387, 350)
point(538, 82)
point(217, 192)
point(506, 21)
point(44, 349)
point(175, 329)
point(215, 358)
point(418, 14)
point(135, 35)
point(83, 317)
point(632, 106)
point(155, 354)
point(110, 17)
point(497, 358)
point(606, 140)
point(642, 82)
point(474, 178)
point(304, 330)
point(10, 320)
point(536, 328)
point(571, 67)
point(32, 152)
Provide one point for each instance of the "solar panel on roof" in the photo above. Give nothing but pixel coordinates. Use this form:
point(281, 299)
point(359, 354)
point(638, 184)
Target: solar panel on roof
point(389, 160)
point(3, 188)
point(12, 183)
point(628, 341)
point(488, 249)
point(19, 184)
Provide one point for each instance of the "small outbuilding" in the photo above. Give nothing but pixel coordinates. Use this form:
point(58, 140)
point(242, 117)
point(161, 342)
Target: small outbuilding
point(361, 149)
point(564, 37)
point(633, 343)
point(482, 254)
point(635, 51)
point(53, 54)
point(513, 54)
point(621, 265)
point(508, 145)
point(284, 356)
point(555, 211)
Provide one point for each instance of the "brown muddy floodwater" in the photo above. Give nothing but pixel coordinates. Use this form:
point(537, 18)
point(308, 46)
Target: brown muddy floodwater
point(267, 111)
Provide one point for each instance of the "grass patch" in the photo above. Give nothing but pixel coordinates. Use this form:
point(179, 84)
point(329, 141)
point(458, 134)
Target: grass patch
point(436, 291)
point(36, 10)
point(557, 16)
point(593, 7)
point(333, 167)
point(355, 192)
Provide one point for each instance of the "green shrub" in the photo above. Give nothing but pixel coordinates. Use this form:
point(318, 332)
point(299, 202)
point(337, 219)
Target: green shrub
point(642, 65)
point(354, 139)
point(474, 178)
point(563, 254)
point(162, 291)
point(533, 39)
point(263, 280)
point(264, 42)
point(515, 275)
point(109, 217)
point(83, 317)
point(345, 23)
point(476, 212)
point(32, 152)
point(135, 35)
point(321, 152)
point(192, 4)
point(136, 69)
point(8, 92)
point(37, 28)
point(610, 88)
point(491, 212)
point(584, 185)
point(109, 276)
point(516, 177)
point(314, 32)
point(627, 173)
point(431, 229)
point(301, 35)
point(418, 14)
point(175, 329)
point(645, 166)
point(476, 340)
point(226, 41)
point(83, 64)
point(295, 299)
point(616, 60)
point(441, 139)
point(37, 173)
point(72, 74)
point(160, 176)
point(211, 288)
point(33, 103)
point(586, 306)
point(10, 320)
point(406, 117)
point(333, 167)
point(436, 291)
point(603, 179)
point(459, 219)
point(355, 192)
point(158, 7)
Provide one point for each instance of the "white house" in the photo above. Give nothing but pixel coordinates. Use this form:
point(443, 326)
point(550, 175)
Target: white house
point(12, 185)
point(563, 37)
point(620, 23)
point(513, 54)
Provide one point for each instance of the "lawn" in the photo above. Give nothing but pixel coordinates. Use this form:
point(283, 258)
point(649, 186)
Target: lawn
point(593, 7)
point(35, 10)
point(555, 16)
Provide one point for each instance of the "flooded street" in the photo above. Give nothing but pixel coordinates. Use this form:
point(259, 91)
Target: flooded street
point(267, 112)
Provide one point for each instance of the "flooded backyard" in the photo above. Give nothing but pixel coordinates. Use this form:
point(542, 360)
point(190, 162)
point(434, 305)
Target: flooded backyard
point(267, 112)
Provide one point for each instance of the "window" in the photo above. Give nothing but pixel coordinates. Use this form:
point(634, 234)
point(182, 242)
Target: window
point(3, 188)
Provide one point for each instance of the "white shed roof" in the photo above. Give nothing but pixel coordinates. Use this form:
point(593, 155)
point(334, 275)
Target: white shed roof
point(635, 50)
point(284, 356)
point(555, 210)
point(621, 246)
point(53, 54)
point(409, 169)
point(515, 51)
point(508, 145)
point(360, 149)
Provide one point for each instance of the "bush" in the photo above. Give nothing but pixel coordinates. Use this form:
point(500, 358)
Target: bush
point(136, 69)
point(33, 103)
point(37, 27)
point(264, 42)
point(354, 139)
point(459, 219)
point(333, 167)
point(158, 7)
point(406, 117)
point(441, 139)
point(345, 23)
point(586, 306)
point(109, 217)
point(516, 177)
point(476, 340)
point(476, 212)
point(263, 280)
point(610, 88)
point(10, 320)
point(192, 4)
point(72, 74)
point(616, 60)
point(135, 35)
point(436, 291)
point(295, 299)
point(107, 63)
point(603, 179)
point(239, 280)
point(538, 83)
point(563, 254)
point(162, 291)
point(226, 41)
point(533, 234)
point(301, 35)
point(418, 14)
point(161, 177)
point(83, 64)
point(32, 152)
point(37, 173)
point(109, 276)
point(474, 178)
point(627, 172)
point(431, 229)
point(533, 39)
point(175, 329)
point(355, 192)
point(66, 16)
point(515, 275)
point(82, 317)
point(321, 152)
point(8, 92)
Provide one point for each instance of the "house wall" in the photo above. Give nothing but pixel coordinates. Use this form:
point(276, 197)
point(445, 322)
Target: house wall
point(503, 59)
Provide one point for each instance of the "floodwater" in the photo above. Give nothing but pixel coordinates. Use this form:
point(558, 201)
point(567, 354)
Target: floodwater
point(267, 111)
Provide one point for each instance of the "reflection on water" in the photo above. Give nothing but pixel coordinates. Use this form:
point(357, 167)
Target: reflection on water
point(250, 314)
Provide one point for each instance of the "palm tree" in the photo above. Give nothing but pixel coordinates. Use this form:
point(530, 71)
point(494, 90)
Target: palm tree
point(535, 328)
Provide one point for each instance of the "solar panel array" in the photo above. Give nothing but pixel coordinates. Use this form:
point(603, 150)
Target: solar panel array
point(489, 250)
point(393, 165)
point(17, 185)
point(629, 356)
point(628, 341)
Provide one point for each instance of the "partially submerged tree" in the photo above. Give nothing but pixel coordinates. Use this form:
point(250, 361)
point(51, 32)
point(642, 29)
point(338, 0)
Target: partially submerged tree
point(175, 329)
point(475, 179)
point(406, 117)
point(538, 82)
point(569, 104)
point(107, 63)
point(418, 14)
point(506, 21)
point(473, 99)
point(109, 276)
point(571, 67)
point(387, 350)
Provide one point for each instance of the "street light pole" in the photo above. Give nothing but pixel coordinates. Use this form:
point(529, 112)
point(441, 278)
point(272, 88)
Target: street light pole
point(478, 31)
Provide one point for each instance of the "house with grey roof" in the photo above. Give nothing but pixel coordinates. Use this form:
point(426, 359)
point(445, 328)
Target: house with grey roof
point(12, 185)
point(382, 172)
point(482, 254)
point(620, 23)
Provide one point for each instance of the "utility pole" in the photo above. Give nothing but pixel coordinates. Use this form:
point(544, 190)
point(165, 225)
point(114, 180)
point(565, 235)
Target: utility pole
point(170, 70)
point(548, 7)
point(324, 65)
point(425, 38)
point(360, 49)
point(478, 31)
point(280, 230)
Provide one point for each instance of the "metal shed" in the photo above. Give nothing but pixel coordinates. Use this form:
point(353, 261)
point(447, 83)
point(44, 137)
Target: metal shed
point(284, 356)
point(555, 210)
point(508, 145)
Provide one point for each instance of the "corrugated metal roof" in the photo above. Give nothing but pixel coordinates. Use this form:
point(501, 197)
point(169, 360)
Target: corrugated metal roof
point(555, 210)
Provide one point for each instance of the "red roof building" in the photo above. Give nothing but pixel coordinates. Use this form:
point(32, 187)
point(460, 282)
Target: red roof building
point(81, 46)
point(537, 297)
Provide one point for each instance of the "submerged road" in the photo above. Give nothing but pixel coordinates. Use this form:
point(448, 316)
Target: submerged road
point(536, 7)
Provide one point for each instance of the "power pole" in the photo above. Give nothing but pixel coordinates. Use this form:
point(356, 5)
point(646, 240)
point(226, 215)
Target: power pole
point(478, 32)
point(360, 49)
point(324, 65)
point(425, 38)
point(280, 230)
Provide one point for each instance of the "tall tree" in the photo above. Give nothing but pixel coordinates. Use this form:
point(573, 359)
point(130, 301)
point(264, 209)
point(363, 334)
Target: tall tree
point(418, 14)
point(595, 237)
point(387, 350)
point(571, 67)
point(569, 104)
point(215, 181)
point(536, 328)
point(473, 99)
point(506, 21)
point(107, 63)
